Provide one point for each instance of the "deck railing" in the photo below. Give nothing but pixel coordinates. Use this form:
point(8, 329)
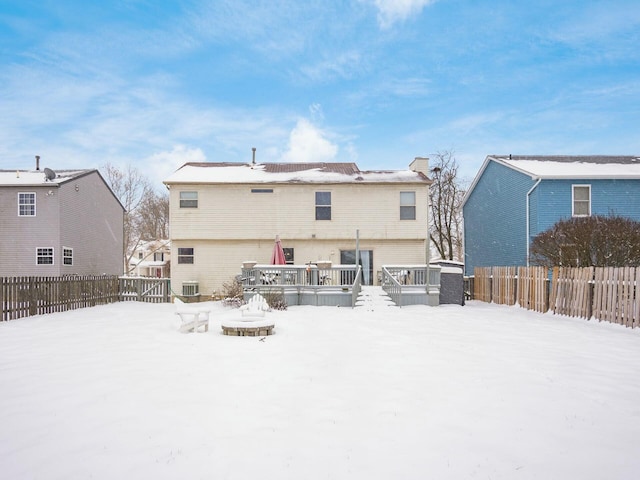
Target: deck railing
point(400, 280)
point(298, 276)
point(357, 287)
point(310, 280)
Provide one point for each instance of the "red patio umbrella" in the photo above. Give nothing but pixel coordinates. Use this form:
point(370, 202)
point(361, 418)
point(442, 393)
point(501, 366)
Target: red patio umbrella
point(277, 257)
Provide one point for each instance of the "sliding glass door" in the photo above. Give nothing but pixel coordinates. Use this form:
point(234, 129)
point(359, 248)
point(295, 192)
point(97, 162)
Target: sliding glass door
point(348, 257)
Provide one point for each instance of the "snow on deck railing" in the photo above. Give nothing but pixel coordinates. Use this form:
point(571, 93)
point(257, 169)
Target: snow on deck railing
point(396, 278)
point(299, 276)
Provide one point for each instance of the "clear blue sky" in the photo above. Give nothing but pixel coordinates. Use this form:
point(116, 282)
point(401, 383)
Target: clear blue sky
point(378, 82)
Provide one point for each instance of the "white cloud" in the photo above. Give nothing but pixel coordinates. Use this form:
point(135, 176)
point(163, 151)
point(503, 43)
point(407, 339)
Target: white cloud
point(598, 22)
point(272, 28)
point(477, 122)
point(409, 87)
point(308, 143)
point(342, 65)
point(352, 152)
point(392, 11)
point(315, 110)
point(163, 164)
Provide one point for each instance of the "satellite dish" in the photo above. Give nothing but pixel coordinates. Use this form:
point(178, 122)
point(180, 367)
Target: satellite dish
point(49, 174)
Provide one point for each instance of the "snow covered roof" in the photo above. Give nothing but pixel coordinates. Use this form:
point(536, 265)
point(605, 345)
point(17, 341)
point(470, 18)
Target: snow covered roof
point(34, 178)
point(226, 172)
point(558, 167)
point(579, 167)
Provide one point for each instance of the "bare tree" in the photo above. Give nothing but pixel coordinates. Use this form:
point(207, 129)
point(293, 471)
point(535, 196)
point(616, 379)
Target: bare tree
point(153, 223)
point(153, 216)
point(599, 241)
point(445, 199)
point(133, 189)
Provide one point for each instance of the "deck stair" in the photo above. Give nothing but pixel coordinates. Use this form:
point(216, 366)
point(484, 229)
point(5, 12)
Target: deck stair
point(373, 298)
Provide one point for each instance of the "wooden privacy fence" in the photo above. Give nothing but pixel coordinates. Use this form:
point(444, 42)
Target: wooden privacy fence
point(503, 286)
point(604, 293)
point(617, 295)
point(482, 284)
point(533, 288)
point(571, 291)
point(26, 296)
point(525, 286)
point(145, 289)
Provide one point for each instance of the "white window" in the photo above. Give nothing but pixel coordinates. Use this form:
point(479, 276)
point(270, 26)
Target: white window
point(323, 205)
point(158, 256)
point(581, 200)
point(67, 256)
point(26, 204)
point(407, 205)
point(188, 199)
point(44, 256)
point(185, 255)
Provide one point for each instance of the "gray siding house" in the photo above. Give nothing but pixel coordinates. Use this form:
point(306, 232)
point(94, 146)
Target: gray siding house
point(513, 198)
point(67, 222)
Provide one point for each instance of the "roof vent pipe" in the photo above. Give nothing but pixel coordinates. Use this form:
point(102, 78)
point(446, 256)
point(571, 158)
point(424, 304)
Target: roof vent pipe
point(37, 162)
point(254, 155)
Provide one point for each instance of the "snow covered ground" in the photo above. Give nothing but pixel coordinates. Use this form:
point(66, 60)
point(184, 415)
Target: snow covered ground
point(376, 392)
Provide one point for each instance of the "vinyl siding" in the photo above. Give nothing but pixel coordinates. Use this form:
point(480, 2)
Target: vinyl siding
point(89, 221)
point(495, 211)
point(218, 262)
point(232, 225)
point(616, 197)
point(495, 219)
point(233, 212)
point(21, 236)
point(608, 197)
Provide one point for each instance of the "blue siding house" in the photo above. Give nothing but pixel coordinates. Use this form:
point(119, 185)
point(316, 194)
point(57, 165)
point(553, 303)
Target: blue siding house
point(514, 198)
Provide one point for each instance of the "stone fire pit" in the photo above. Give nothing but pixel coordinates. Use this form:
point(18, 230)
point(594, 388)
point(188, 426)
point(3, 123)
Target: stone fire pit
point(248, 328)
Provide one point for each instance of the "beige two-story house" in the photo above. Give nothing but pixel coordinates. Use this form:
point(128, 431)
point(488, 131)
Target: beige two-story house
point(223, 214)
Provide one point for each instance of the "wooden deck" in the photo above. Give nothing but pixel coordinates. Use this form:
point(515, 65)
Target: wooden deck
point(304, 284)
point(412, 284)
point(340, 285)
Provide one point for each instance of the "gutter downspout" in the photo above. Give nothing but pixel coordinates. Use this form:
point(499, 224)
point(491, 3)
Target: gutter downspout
point(358, 249)
point(427, 253)
point(527, 214)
